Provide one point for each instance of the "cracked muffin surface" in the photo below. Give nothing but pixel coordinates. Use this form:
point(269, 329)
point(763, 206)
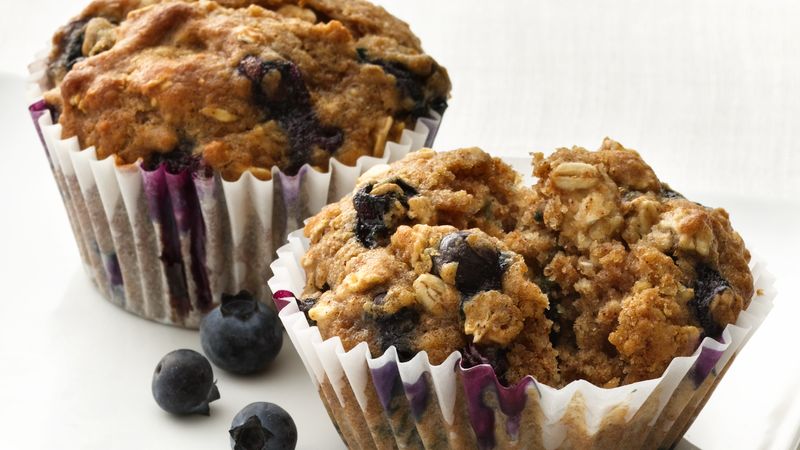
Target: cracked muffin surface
point(240, 85)
point(599, 271)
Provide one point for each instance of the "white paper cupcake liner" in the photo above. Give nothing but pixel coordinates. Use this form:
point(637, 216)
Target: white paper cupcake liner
point(166, 246)
point(380, 402)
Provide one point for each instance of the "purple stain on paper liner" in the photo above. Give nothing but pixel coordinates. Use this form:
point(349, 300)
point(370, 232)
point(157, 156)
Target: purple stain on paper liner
point(291, 187)
point(282, 299)
point(290, 208)
point(477, 380)
point(37, 110)
point(189, 218)
point(175, 207)
point(387, 383)
point(418, 394)
point(173, 202)
point(158, 200)
point(113, 269)
point(705, 364)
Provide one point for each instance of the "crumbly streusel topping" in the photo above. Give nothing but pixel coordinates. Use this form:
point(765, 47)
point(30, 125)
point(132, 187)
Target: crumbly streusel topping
point(598, 272)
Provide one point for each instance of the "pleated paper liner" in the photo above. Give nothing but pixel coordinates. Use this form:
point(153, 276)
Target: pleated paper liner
point(380, 402)
point(165, 246)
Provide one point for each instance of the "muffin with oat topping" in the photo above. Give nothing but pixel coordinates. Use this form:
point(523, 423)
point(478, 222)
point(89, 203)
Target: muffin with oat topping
point(598, 272)
point(210, 128)
point(240, 85)
point(589, 310)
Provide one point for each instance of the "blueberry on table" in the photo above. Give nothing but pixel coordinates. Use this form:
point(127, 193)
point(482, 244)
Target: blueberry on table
point(263, 426)
point(183, 383)
point(242, 335)
point(479, 268)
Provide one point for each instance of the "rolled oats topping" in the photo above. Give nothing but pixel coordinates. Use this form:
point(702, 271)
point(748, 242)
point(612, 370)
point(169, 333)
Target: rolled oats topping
point(599, 271)
point(240, 85)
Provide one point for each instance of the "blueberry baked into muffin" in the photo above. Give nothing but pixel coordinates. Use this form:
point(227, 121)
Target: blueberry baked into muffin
point(239, 85)
point(598, 272)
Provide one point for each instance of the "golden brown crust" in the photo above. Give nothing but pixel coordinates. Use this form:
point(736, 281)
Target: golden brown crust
point(628, 270)
point(242, 84)
point(605, 274)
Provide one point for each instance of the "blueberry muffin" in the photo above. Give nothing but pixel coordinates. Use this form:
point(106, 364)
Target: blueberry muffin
point(239, 85)
point(152, 111)
point(598, 272)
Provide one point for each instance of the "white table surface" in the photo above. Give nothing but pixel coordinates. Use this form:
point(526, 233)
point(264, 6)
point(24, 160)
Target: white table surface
point(708, 91)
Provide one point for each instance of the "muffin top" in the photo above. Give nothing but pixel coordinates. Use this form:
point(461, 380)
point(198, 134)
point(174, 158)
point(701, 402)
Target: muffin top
point(599, 271)
point(239, 85)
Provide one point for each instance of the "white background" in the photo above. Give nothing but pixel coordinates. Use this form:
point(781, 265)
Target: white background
point(707, 91)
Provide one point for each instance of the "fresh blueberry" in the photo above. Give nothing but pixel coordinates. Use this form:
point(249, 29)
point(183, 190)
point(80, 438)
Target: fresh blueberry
point(479, 269)
point(242, 335)
point(183, 383)
point(263, 426)
point(371, 227)
point(290, 105)
point(398, 329)
point(708, 285)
